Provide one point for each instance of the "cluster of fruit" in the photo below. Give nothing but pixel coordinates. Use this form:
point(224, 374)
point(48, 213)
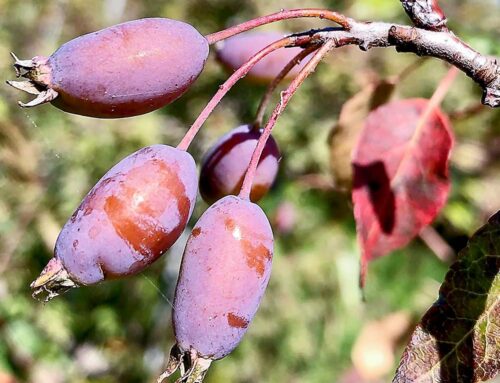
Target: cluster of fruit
point(140, 207)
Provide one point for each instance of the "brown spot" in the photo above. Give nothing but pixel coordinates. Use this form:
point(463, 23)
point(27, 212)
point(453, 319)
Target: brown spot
point(196, 232)
point(87, 210)
point(134, 208)
point(229, 223)
point(90, 201)
point(75, 243)
point(257, 256)
point(236, 321)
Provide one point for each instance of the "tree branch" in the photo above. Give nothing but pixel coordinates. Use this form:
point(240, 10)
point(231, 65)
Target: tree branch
point(443, 45)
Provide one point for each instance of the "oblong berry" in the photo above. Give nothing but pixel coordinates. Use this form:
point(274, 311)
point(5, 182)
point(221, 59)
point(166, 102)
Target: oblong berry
point(136, 211)
point(224, 272)
point(121, 71)
point(236, 50)
point(225, 164)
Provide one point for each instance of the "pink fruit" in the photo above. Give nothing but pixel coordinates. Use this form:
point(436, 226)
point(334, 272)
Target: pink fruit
point(121, 71)
point(129, 218)
point(225, 165)
point(224, 273)
point(236, 50)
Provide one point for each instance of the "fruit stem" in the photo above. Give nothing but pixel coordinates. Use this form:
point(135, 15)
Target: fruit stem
point(285, 99)
point(340, 19)
point(266, 99)
point(437, 98)
point(434, 102)
point(233, 79)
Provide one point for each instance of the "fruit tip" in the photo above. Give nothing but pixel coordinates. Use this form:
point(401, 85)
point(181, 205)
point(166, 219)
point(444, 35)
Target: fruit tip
point(53, 281)
point(193, 368)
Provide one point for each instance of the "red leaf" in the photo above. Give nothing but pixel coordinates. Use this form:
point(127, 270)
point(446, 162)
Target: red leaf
point(400, 175)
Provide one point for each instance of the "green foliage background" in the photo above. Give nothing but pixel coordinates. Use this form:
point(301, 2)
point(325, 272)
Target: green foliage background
point(312, 312)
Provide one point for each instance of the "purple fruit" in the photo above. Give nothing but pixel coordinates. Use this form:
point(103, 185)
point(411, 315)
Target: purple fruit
point(236, 50)
point(121, 71)
point(224, 273)
point(226, 163)
point(129, 218)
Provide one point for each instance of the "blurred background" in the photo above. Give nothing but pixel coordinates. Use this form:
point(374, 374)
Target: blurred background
point(312, 325)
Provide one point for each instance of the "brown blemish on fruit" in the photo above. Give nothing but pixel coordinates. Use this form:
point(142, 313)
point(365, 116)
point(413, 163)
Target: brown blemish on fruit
point(257, 256)
point(75, 244)
point(135, 207)
point(90, 201)
point(236, 321)
point(87, 210)
point(196, 232)
point(229, 223)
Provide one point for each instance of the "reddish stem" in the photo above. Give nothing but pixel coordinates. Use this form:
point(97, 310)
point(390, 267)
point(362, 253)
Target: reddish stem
point(264, 102)
point(285, 99)
point(340, 19)
point(434, 102)
point(233, 79)
point(467, 112)
point(436, 99)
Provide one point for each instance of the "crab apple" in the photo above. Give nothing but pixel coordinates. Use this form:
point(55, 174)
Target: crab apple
point(133, 215)
point(225, 164)
point(121, 71)
point(224, 272)
point(236, 50)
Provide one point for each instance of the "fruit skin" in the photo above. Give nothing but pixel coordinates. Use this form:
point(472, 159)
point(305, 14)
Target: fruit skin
point(124, 70)
point(236, 50)
point(130, 217)
point(224, 166)
point(224, 272)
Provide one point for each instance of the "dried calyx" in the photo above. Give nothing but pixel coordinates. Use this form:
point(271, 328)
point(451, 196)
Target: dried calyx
point(37, 72)
point(192, 367)
point(53, 281)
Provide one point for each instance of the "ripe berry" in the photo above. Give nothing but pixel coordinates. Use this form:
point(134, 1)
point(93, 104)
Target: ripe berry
point(121, 71)
point(224, 273)
point(129, 218)
point(236, 50)
point(226, 163)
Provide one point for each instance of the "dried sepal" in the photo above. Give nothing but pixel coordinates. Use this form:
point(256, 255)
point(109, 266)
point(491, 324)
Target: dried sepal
point(42, 98)
point(25, 86)
point(53, 281)
point(37, 72)
point(192, 367)
point(20, 65)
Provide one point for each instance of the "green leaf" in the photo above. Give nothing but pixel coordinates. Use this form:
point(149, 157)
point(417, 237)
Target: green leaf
point(458, 339)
